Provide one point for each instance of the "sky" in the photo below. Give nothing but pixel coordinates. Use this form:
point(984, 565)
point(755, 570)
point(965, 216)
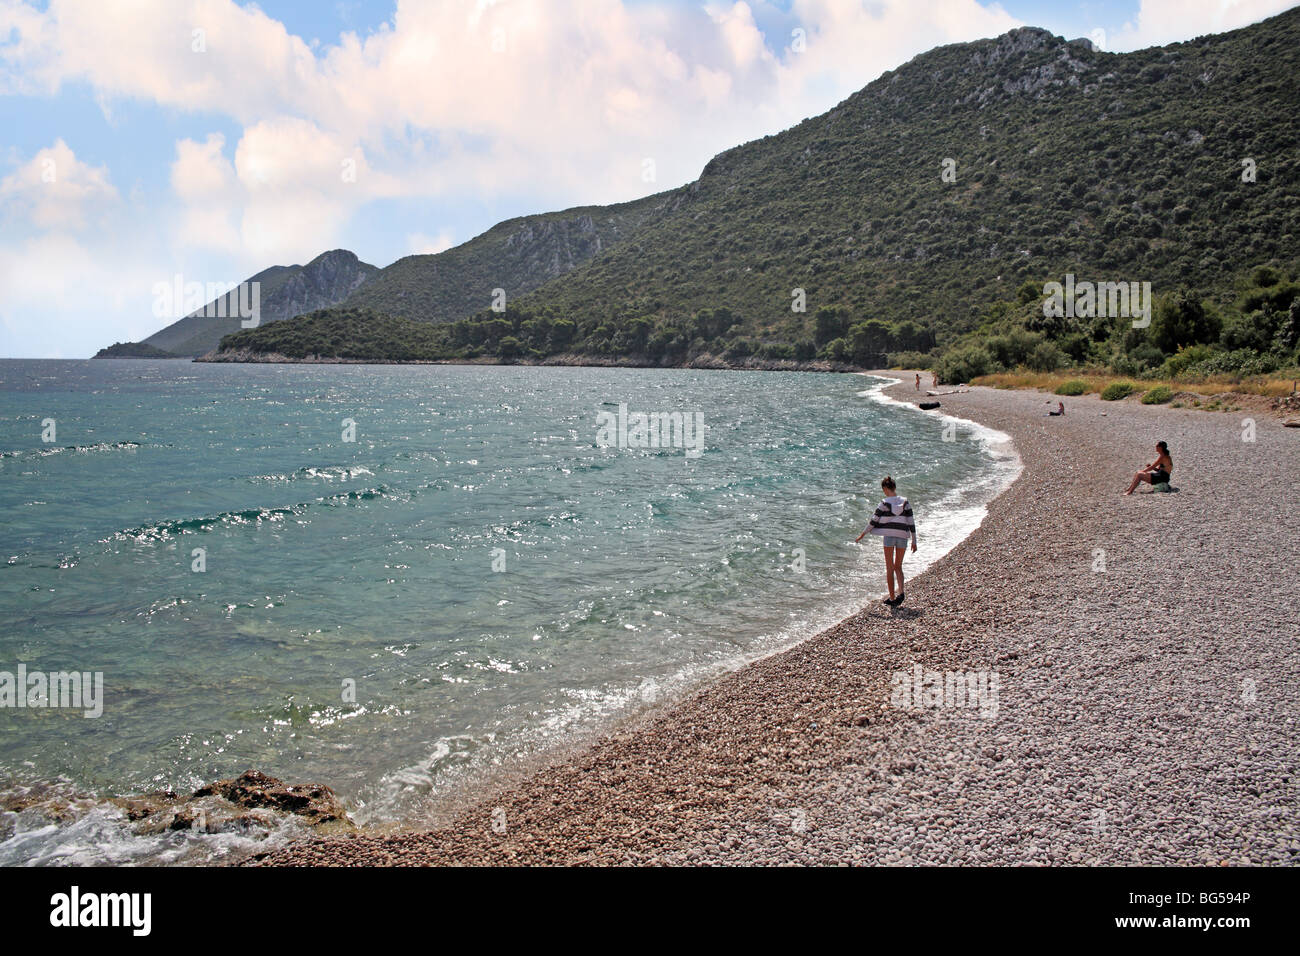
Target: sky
point(142, 140)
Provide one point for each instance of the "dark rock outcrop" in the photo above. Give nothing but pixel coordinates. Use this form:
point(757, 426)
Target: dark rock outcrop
point(252, 799)
point(313, 802)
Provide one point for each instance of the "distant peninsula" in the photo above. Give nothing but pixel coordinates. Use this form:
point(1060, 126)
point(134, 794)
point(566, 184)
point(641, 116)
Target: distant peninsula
point(135, 350)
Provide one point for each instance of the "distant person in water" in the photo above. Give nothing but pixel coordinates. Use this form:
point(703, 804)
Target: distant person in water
point(1157, 472)
point(893, 522)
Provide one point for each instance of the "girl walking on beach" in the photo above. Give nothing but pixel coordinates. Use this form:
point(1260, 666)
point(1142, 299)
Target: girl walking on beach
point(893, 522)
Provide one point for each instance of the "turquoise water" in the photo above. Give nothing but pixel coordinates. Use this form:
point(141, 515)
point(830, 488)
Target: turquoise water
point(492, 579)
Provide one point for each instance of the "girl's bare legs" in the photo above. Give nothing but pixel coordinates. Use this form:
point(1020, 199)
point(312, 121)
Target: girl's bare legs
point(1140, 476)
point(894, 569)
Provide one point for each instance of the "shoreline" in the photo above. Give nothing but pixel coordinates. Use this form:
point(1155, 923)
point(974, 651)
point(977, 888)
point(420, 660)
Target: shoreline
point(1164, 681)
point(467, 794)
point(502, 785)
point(464, 793)
point(705, 362)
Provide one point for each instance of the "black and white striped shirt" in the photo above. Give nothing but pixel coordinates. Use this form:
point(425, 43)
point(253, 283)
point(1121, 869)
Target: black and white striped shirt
point(893, 519)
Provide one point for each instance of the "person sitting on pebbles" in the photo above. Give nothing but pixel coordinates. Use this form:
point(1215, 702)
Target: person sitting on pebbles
point(1157, 472)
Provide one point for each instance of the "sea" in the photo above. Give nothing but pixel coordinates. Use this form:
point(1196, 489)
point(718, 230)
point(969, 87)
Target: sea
point(408, 582)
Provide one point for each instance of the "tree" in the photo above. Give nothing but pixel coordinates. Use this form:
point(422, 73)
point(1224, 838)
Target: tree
point(829, 322)
point(1180, 319)
point(868, 339)
point(562, 332)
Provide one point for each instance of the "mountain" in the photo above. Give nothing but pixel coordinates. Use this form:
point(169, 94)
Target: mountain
point(517, 256)
point(935, 202)
point(285, 291)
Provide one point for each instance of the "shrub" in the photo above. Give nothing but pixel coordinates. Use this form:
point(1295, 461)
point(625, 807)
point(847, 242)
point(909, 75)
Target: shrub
point(739, 348)
point(1074, 386)
point(964, 364)
point(1239, 362)
point(775, 351)
point(1158, 395)
point(834, 350)
point(1175, 365)
point(910, 360)
point(1075, 345)
point(1145, 356)
point(1117, 390)
point(1045, 357)
point(1014, 347)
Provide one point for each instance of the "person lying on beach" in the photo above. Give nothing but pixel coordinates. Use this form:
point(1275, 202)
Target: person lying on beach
point(1060, 409)
point(893, 522)
point(1157, 472)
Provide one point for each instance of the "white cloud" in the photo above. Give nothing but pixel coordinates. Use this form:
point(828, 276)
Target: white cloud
point(55, 190)
point(62, 292)
point(1168, 21)
point(286, 194)
point(200, 170)
point(514, 96)
point(207, 191)
point(423, 245)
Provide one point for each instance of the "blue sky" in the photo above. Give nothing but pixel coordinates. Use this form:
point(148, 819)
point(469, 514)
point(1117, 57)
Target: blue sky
point(212, 138)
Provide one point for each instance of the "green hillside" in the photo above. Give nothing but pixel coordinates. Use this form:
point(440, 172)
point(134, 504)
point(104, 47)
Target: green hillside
point(1110, 167)
point(132, 350)
point(344, 334)
point(517, 256)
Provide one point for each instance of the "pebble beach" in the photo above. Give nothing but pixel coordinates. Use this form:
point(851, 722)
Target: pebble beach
point(1136, 660)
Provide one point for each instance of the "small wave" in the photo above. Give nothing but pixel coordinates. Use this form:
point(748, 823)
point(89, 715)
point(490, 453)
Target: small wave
point(76, 449)
point(998, 445)
point(165, 530)
point(326, 473)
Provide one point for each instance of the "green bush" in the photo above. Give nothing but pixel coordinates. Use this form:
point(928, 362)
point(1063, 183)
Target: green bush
point(739, 348)
point(1178, 363)
point(1239, 362)
point(1074, 386)
point(1013, 347)
point(910, 360)
point(1181, 319)
point(1045, 357)
point(1158, 395)
point(1140, 359)
point(964, 364)
point(1117, 390)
